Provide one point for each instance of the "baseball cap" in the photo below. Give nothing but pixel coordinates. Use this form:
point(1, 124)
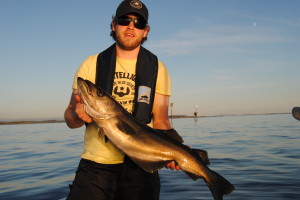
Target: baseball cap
point(132, 6)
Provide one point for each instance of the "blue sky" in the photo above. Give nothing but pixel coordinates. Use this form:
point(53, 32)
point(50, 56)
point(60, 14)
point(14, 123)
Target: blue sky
point(227, 57)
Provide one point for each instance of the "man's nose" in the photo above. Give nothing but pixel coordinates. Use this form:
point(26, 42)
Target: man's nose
point(131, 25)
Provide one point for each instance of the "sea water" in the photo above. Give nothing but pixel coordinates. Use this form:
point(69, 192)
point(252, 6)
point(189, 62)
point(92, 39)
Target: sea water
point(259, 154)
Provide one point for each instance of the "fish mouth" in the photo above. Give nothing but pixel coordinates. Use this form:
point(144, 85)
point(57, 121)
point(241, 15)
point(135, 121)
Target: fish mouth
point(89, 93)
point(88, 87)
point(85, 89)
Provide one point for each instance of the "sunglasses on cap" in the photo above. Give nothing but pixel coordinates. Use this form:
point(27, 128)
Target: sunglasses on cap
point(138, 22)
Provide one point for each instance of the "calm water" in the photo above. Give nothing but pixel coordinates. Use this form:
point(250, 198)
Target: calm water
point(259, 154)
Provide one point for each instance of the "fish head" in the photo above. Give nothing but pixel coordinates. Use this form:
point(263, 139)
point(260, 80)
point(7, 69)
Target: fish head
point(97, 102)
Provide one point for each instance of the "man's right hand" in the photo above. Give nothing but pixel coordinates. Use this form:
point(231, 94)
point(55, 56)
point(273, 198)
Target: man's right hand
point(79, 110)
point(75, 116)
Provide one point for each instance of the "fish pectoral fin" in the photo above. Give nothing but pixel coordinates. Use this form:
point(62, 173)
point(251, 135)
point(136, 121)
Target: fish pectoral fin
point(151, 166)
point(191, 175)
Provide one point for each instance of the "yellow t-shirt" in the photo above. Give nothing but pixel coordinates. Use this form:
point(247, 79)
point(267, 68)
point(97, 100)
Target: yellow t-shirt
point(95, 147)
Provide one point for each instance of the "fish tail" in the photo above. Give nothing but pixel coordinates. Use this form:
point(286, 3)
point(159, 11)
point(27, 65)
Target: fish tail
point(219, 186)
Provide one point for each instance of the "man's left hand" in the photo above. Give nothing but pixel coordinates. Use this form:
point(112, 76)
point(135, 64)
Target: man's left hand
point(172, 165)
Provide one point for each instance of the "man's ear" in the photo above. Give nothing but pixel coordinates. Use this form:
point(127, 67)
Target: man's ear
point(147, 30)
point(113, 23)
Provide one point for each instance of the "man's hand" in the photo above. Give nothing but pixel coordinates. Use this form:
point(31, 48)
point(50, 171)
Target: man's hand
point(75, 116)
point(172, 165)
point(79, 110)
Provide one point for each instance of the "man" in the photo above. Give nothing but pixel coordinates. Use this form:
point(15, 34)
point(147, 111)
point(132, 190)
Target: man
point(141, 84)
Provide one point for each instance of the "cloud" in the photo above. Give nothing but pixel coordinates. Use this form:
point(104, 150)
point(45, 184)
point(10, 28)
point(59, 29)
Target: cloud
point(194, 40)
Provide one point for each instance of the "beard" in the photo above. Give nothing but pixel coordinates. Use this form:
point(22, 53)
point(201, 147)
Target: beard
point(128, 44)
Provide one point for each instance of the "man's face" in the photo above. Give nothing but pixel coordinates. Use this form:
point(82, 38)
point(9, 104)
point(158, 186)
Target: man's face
point(128, 37)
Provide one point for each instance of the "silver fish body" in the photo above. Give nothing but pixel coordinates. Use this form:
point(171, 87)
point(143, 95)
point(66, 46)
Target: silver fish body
point(148, 148)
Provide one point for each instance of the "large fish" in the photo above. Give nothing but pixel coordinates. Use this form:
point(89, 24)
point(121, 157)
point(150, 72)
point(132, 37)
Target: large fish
point(148, 148)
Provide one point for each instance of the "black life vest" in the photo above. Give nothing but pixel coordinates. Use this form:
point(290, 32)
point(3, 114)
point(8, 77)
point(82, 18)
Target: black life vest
point(146, 75)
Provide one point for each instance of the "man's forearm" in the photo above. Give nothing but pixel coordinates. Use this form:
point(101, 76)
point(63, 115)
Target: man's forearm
point(72, 119)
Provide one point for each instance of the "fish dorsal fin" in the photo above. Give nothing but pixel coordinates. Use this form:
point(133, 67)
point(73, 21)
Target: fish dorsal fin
point(202, 154)
point(150, 166)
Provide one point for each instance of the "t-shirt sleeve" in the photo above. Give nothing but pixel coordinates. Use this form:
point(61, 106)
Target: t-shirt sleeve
point(163, 83)
point(87, 70)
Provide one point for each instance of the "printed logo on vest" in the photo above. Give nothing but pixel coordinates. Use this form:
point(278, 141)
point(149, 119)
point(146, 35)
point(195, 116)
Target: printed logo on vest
point(144, 94)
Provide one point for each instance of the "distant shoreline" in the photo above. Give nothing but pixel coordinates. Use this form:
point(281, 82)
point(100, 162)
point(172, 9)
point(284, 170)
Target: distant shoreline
point(173, 117)
point(31, 122)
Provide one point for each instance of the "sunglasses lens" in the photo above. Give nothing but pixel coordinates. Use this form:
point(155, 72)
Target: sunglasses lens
point(138, 23)
point(123, 21)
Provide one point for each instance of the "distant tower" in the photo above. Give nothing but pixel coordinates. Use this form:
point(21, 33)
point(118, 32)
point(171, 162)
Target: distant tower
point(196, 113)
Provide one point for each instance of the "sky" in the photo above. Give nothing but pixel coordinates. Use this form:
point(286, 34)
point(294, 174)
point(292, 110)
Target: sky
point(225, 57)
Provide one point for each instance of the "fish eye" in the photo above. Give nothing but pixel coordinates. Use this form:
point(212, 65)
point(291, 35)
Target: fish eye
point(89, 91)
point(100, 93)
